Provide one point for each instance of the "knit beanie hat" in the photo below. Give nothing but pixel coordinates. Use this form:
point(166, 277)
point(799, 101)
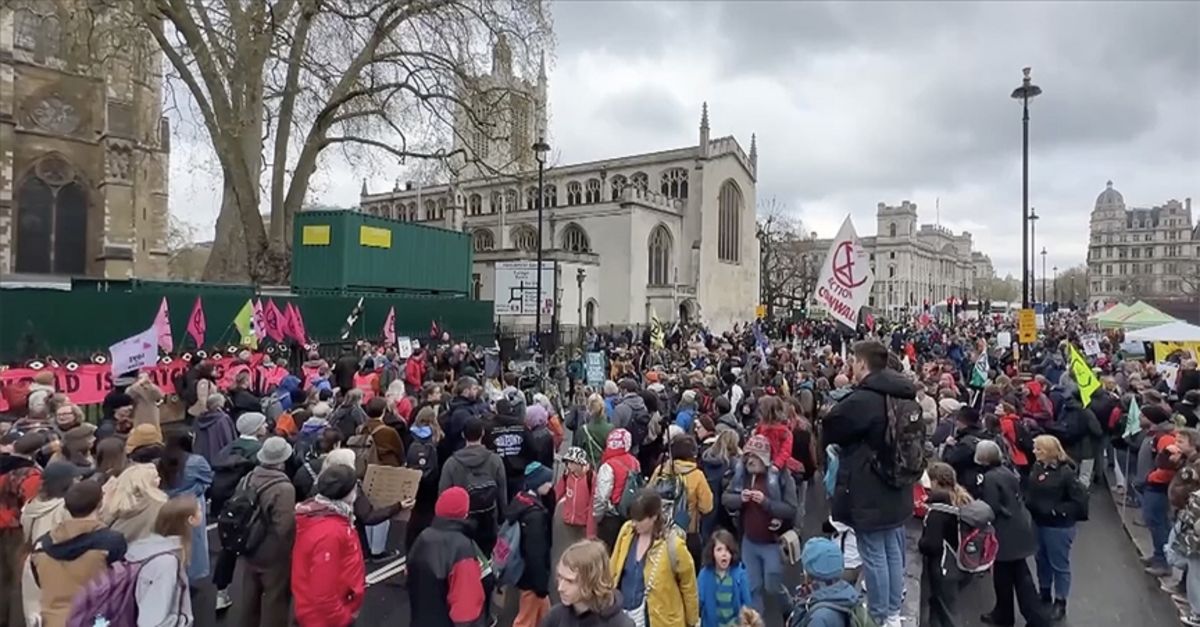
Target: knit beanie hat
point(144, 434)
point(822, 559)
point(249, 423)
point(336, 482)
point(575, 455)
point(759, 447)
point(537, 475)
point(453, 504)
point(619, 439)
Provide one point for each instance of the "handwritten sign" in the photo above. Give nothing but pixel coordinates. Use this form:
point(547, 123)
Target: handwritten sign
point(386, 485)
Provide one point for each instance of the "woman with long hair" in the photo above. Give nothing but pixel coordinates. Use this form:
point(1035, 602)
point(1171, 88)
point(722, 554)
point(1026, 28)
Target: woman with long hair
point(938, 544)
point(653, 569)
point(184, 473)
point(586, 589)
point(1057, 500)
point(422, 455)
point(162, 594)
point(593, 434)
point(718, 463)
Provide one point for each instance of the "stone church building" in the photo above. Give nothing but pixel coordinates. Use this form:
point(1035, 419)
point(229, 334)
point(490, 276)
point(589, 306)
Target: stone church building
point(83, 144)
point(669, 234)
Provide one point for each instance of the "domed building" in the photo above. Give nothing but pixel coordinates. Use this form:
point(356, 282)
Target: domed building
point(1138, 253)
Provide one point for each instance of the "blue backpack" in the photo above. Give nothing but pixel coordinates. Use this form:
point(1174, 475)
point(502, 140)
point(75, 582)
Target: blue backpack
point(507, 562)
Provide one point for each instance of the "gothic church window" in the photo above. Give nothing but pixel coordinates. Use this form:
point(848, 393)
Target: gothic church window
point(729, 223)
point(592, 194)
point(575, 239)
point(675, 183)
point(640, 181)
point(574, 193)
point(475, 205)
point(36, 28)
point(430, 210)
point(659, 256)
point(531, 199)
point(551, 196)
point(619, 183)
point(483, 240)
point(51, 224)
point(525, 238)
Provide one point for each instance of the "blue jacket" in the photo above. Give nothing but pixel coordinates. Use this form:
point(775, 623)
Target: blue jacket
point(197, 477)
point(685, 417)
point(706, 585)
point(828, 606)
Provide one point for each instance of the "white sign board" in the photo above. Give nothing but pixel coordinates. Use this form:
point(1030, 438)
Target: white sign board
point(517, 289)
point(134, 353)
point(1091, 344)
point(1169, 372)
point(404, 348)
point(846, 277)
point(1004, 339)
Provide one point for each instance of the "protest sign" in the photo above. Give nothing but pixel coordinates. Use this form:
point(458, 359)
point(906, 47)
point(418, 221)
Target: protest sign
point(846, 277)
point(386, 485)
point(1091, 344)
point(135, 352)
point(404, 347)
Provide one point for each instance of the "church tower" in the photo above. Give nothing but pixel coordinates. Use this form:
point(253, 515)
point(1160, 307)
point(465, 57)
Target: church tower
point(507, 115)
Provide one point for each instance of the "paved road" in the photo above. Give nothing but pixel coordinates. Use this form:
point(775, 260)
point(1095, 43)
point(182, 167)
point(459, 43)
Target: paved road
point(1109, 587)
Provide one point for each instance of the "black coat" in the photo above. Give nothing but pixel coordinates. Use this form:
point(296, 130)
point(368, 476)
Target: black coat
point(1076, 429)
point(961, 457)
point(527, 509)
point(611, 616)
point(1014, 525)
point(507, 437)
point(862, 499)
point(344, 370)
point(1054, 495)
point(460, 410)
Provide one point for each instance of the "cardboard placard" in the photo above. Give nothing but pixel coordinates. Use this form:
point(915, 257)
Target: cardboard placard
point(386, 485)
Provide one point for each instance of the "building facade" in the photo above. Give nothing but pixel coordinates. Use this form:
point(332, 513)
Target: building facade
point(83, 144)
point(914, 264)
point(667, 234)
point(1151, 254)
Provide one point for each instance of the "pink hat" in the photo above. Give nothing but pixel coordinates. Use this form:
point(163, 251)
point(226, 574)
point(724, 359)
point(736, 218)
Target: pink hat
point(619, 439)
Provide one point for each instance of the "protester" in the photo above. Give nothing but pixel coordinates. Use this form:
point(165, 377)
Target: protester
point(540, 440)
point(586, 589)
point(312, 461)
point(110, 459)
point(445, 586)
point(481, 473)
point(214, 429)
point(617, 467)
point(463, 407)
point(72, 554)
point(349, 415)
point(722, 584)
point(828, 599)
point(185, 474)
point(162, 592)
point(132, 499)
point(573, 520)
point(1057, 499)
point(680, 468)
point(653, 569)
point(940, 577)
point(959, 450)
point(1017, 539)
point(873, 507)
point(328, 574)
point(592, 435)
point(39, 517)
point(528, 511)
point(1155, 471)
point(763, 502)
point(264, 590)
point(507, 437)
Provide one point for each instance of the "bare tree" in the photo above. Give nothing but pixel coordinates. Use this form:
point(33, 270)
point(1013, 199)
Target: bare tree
point(278, 82)
point(788, 268)
point(1072, 286)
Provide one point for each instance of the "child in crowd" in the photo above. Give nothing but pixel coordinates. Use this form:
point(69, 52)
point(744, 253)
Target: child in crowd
point(574, 494)
point(530, 511)
point(825, 599)
point(723, 587)
point(843, 536)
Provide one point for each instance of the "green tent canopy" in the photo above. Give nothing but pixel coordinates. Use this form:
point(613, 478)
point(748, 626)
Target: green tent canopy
point(1137, 316)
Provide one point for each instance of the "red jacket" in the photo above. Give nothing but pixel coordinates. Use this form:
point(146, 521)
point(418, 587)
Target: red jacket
point(1008, 426)
point(414, 372)
point(328, 575)
point(20, 480)
point(574, 493)
point(1164, 468)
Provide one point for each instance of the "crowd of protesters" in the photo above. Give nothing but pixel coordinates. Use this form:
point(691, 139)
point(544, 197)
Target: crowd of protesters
point(670, 492)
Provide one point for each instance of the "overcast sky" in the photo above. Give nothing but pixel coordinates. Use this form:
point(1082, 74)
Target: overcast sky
point(860, 103)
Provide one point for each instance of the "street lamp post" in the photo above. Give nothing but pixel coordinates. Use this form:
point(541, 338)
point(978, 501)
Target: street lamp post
point(1026, 92)
point(1033, 218)
point(1055, 268)
point(1043, 275)
point(580, 275)
point(540, 149)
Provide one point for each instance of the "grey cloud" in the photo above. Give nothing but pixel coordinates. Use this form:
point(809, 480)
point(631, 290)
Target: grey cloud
point(651, 109)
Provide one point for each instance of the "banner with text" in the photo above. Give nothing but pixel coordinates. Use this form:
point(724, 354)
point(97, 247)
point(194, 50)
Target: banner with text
point(846, 277)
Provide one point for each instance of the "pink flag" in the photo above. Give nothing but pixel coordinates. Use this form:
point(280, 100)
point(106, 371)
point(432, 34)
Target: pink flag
point(389, 328)
point(197, 324)
point(256, 320)
point(273, 321)
point(297, 325)
point(162, 328)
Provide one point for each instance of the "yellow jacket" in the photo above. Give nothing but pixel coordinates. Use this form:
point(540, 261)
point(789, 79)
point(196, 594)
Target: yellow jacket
point(672, 599)
point(699, 495)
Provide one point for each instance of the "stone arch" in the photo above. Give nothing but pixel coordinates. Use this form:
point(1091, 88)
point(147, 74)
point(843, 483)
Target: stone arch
point(575, 239)
point(659, 256)
point(730, 204)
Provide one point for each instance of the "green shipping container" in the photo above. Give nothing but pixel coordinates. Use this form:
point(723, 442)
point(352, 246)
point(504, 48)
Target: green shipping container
point(347, 250)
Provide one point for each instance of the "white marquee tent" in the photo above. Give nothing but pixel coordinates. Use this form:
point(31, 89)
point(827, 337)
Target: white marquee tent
point(1177, 331)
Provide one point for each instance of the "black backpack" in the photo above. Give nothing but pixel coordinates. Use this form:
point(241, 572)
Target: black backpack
point(905, 452)
point(422, 456)
point(481, 490)
point(242, 524)
point(228, 473)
